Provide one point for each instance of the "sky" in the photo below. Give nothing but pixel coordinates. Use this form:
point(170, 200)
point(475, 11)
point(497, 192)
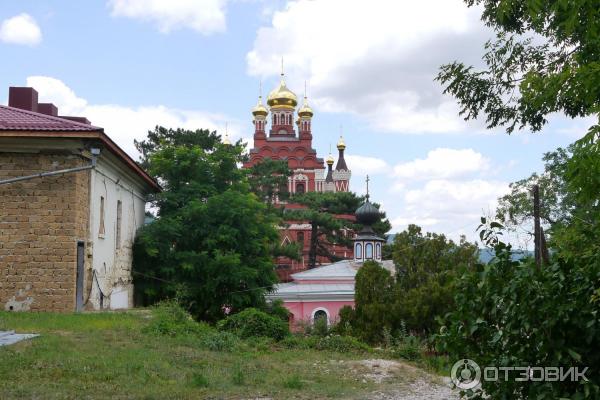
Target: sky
point(369, 68)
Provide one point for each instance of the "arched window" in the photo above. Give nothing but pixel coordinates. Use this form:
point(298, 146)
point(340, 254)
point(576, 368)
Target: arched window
point(378, 251)
point(320, 315)
point(369, 250)
point(300, 188)
point(275, 119)
point(289, 119)
point(300, 237)
point(358, 250)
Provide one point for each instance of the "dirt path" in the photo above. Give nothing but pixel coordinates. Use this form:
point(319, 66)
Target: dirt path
point(401, 381)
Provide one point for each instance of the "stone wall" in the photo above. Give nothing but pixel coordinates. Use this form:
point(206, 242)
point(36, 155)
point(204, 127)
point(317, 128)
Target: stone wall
point(41, 221)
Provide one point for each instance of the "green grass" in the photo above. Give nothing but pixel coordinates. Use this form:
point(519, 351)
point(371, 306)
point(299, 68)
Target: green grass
point(115, 355)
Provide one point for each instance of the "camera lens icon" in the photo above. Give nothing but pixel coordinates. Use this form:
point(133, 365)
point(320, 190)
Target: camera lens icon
point(465, 374)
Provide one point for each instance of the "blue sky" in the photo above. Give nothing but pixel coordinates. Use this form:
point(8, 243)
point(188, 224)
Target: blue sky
point(128, 65)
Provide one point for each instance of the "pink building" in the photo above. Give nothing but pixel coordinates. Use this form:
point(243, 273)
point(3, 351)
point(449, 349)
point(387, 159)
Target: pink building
point(321, 292)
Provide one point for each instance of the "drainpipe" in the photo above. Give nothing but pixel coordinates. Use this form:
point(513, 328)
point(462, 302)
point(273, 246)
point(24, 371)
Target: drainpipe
point(95, 153)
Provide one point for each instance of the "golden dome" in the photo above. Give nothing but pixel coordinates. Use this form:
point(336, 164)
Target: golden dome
point(226, 139)
point(259, 108)
point(329, 159)
point(282, 97)
point(341, 145)
point(305, 110)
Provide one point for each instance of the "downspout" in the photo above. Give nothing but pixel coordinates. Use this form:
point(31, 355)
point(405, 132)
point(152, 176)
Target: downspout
point(95, 153)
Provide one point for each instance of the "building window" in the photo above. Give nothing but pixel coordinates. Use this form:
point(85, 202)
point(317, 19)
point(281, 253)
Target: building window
point(320, 315)
point(119, 219)
point(300, 237)
point(275, 119)
point(101, 228)
point(300, 188)
point(358, 250)
point(369, 250)
point(378, 251)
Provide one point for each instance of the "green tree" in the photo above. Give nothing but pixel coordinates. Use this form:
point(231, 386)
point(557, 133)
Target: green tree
point(516, 207)
point(373, 297)
point(426, 268)
point(269, 180)
point(510, 314)
point(211, 245)
point(324, 211)
point(545, 59)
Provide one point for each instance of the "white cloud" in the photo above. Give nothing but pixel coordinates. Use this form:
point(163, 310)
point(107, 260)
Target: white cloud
point(124, 124)
point(20, 29)
point(376, 59)
point(204, 16)
point(443, 163)
point(449, 206)
point(363, 165)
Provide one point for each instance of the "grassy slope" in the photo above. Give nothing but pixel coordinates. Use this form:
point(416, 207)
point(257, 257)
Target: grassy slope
point(106, 355)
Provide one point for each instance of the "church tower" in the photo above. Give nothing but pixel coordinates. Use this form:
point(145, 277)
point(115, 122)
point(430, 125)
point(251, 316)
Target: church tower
point(275, 137)
point(341, 175)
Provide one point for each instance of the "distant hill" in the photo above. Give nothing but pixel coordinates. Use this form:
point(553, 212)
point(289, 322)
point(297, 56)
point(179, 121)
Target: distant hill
point(485, 254)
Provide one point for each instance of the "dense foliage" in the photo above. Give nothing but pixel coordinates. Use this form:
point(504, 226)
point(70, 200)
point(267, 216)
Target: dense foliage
point(269, 180)
point(426, 268)
point(373, 297)
point(320, 209)
point(511, 314)
point(211, 245)
point(255, 323)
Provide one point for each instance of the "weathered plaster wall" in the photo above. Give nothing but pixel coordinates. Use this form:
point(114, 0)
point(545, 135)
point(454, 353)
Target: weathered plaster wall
point(41, 221)
point(111, 286)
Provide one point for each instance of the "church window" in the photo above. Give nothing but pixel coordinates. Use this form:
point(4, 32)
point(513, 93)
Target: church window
point(358, 250)
point(378, 251)
point(320, 315)
point(300, 188)
point(369, 250)
point(275, 119)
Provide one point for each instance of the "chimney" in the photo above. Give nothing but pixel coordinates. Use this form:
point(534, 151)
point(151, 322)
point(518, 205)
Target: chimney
point(25, 98)
point(48, 109)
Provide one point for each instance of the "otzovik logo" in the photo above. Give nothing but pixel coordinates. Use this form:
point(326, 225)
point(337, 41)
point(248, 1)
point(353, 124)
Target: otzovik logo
point(465, 374)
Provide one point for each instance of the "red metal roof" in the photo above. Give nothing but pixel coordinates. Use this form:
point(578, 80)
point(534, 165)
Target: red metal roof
point(15, 122)
point(15, 119)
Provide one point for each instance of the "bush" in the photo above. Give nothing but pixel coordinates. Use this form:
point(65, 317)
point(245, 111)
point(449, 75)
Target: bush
point(277, 309)
point(299, 342)
point(341, 344)
point(254, 323)
point(409, 348)
point(169, 318)
point(220, 341)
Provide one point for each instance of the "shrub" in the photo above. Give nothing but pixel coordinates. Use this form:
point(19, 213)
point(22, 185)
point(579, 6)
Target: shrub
point(409, 348)
point(220, 341)
point(253, 323)
point(169, 318)
point(299, 342)
point(277, 309)
point(341, 344)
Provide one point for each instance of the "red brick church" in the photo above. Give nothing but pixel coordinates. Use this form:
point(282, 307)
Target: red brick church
point(284, 141)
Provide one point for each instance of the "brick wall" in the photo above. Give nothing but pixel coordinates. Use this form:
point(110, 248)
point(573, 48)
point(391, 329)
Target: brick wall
point(41, 221)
